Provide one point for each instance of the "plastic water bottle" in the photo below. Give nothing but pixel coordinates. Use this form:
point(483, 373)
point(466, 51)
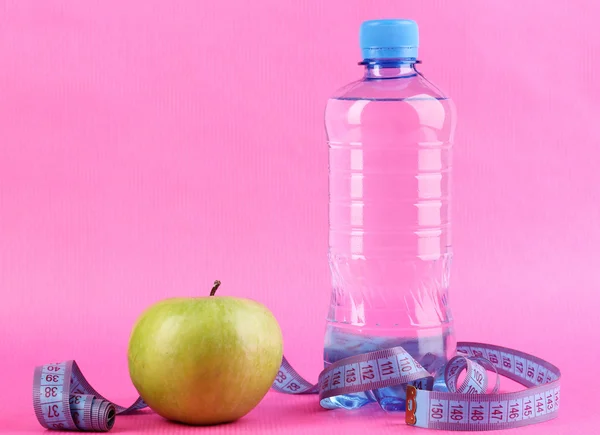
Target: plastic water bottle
point(390, 140)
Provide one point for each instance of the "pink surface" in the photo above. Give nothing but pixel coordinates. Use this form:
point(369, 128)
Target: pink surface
point(148, 148)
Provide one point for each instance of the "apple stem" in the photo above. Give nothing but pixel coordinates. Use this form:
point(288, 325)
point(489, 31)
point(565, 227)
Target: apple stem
point(215, 287)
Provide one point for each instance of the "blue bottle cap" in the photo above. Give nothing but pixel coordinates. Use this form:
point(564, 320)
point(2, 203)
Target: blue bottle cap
point(389, 39)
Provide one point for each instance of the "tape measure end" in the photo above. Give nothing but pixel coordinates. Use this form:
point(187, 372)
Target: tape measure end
point(411, 405)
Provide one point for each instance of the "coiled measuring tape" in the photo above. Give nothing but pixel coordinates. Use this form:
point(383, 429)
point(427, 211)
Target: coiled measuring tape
point(64, 400)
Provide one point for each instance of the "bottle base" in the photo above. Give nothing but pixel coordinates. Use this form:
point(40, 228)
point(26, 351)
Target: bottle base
point(431, 347)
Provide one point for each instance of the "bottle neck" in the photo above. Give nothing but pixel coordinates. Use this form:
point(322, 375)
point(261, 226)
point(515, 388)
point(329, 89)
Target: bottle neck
point(390, 68)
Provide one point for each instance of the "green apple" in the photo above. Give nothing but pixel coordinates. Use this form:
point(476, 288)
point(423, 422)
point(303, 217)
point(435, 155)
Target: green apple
point(205, 360)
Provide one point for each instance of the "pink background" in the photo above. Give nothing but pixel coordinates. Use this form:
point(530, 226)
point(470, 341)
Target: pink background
point(148, 148)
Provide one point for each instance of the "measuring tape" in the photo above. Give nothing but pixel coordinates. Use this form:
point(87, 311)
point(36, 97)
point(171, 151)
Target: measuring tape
point(64, 400)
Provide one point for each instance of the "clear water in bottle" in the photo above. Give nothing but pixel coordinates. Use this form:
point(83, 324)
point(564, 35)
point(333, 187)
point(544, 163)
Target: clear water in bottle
point(390, 140)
